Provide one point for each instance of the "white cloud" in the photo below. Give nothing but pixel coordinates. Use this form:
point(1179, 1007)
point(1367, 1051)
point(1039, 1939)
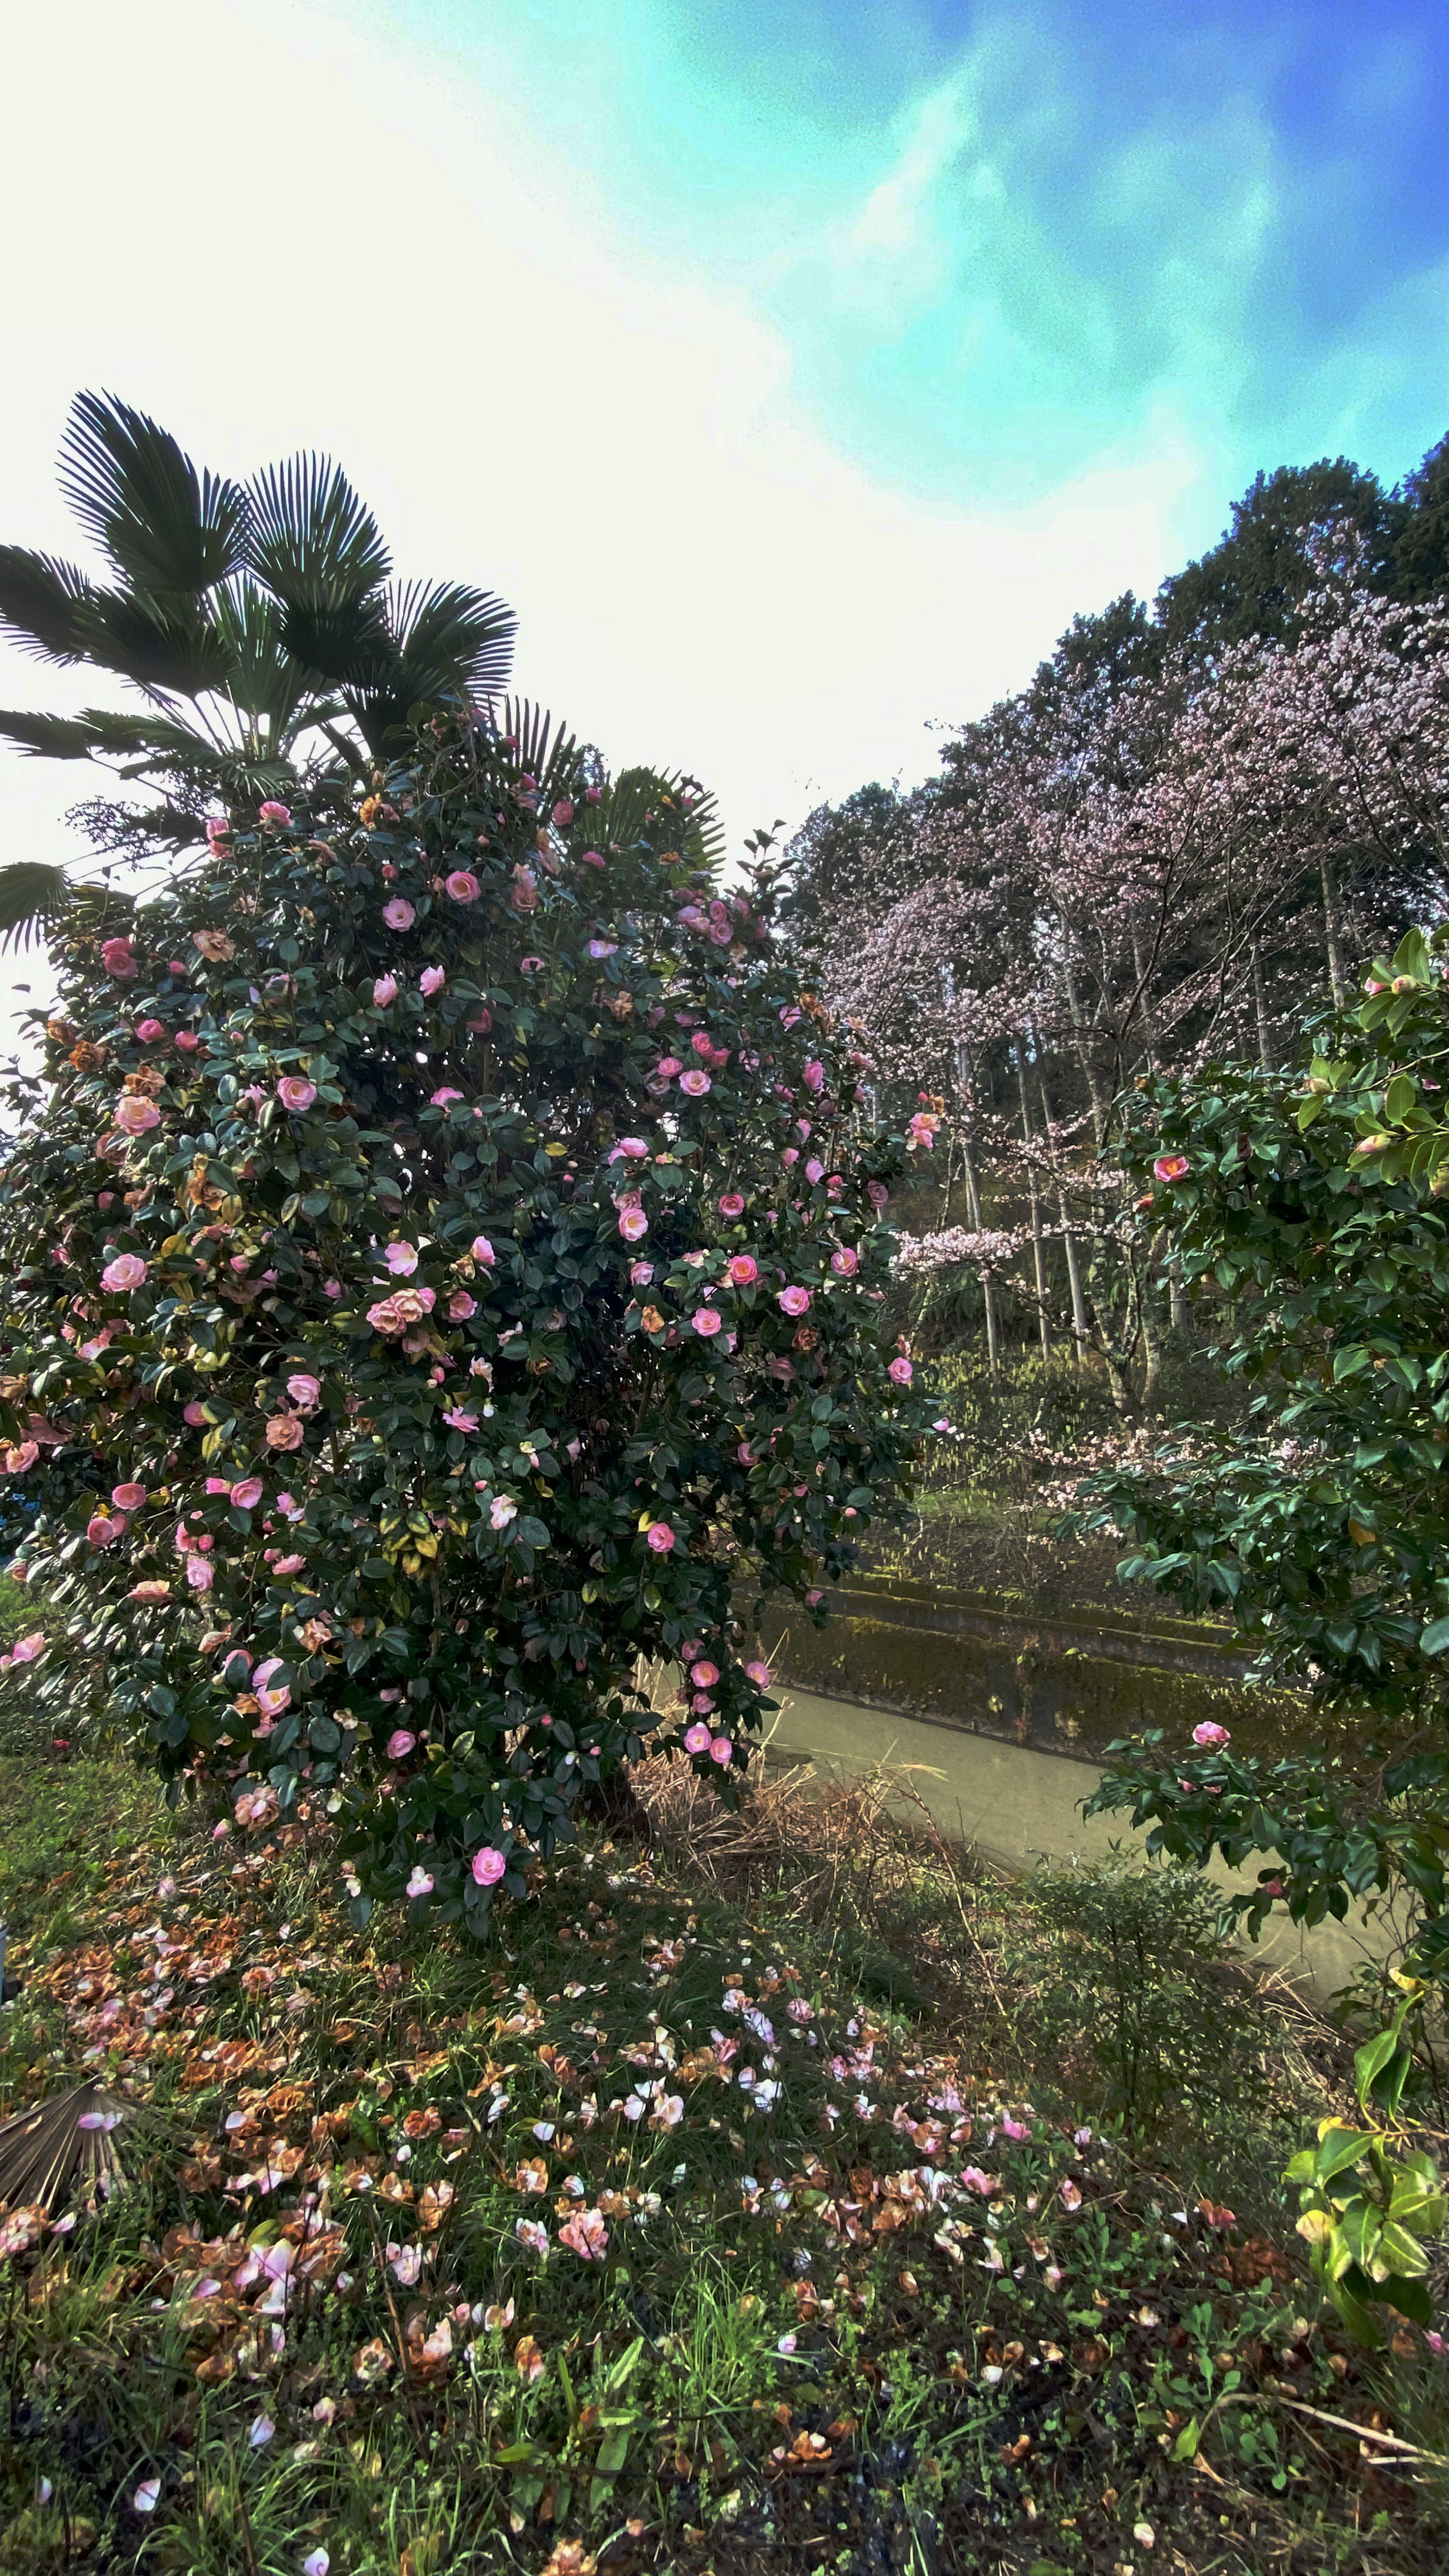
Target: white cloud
point(271, 231)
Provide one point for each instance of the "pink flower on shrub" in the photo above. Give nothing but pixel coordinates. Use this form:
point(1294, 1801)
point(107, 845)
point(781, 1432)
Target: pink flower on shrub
point(721, 1751)
point(200, 1573)
point(503, 1510)
point(488, 1866)
point(814, 1171)
point(247, 1494)
point(26, 1650)
point(641, 1274)
point(117, 959)
point(149, 1592)
point(399, 914)
point(902, 1371)
point(791, 1154)
point(401, 1259)
point(460, 1421)
point(633, 1224)
point(794, 1301)
point(384, 991)
point(128, 1497)
point(731, 1204)
point(128, 1270)
point(696, 1082)
point(601, 948)
point(289, 1565)
point(304, 1390)
point(400, 1743)
point(284, 1431)
point(632, 1148)
point(483, 1251)
point(461, 1306)
point(660, 1537)
point(593, 859)
point(1171, 1167)
point(668, 1066)
point(148, 1031)
point(845, 1263)
point(696, 1738)
point(136, 1116)
point(585, 2235)
point(1210, 1734)
point(743, 1270)
point(295, 1092)
point(815, 1075)
point(271, 1697)
point(463, 886)
point(103, 1530)
point(563, 813)
point(704, 1674)
point(759, 1674)
point(444, 1097)
point(705, 1322)
point(279, 816)
point(420, 1883)
point(431, 980)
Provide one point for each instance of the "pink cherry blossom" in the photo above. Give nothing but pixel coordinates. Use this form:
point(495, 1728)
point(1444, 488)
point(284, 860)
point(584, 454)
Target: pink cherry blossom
point(125, 1272)
point(399, 914)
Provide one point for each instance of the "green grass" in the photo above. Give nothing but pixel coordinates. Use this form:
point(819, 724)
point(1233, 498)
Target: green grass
point(784, 2359)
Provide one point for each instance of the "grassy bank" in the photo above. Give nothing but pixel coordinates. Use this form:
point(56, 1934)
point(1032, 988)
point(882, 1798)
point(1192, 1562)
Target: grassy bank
point(439, 2260)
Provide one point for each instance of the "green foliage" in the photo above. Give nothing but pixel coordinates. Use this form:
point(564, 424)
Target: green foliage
point(372, 1253)
point(1371, 2203)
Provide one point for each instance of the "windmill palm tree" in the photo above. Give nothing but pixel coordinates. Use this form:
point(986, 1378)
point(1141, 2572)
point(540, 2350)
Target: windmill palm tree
point(246, 618)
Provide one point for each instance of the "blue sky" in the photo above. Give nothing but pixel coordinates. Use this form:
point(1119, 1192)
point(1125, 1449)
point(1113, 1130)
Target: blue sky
point(796, 369)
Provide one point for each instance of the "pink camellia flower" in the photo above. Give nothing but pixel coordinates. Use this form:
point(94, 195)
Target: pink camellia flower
point(295, 1092)
point(731, 1204)
point(200, 1573)
point(304, 1390)
point(26, 1650)
point(195, 1412)
point(743, 1270)
point(1171, 1167)
point(601, 948)
point(845, 1263)
point(523, 893)
point(247, 1494)
point(815, 1076)
point(463, 886)
point(289, 1565)
point(461, 1306)
point(1210, 1734)
point(759, 1674)
point(401, 1259)
point(814, 1171)
point(902, 1371)
point(794, 1301)
point(563, 813)
point(103, 1530)
point(431, 980)
point(444, 1098)
point(668, 1066)
point(483, 1251)
point(284, 1431)
point(149, 1592)
point(117, 960)
point(791, 1154)
point(660, 1537)
point(384, 991)
point(399, 914)
point(814, 1597)
point(128, 1270)
point(721, 1751)
point(17, 1459)
point(696, 1082)
point(136, 1116)
point(633, 1224)
point(633, 1149)
point(217, 829)
point(488, 1866)
point(641, 1274)
point(399, 1743)
point(148, 1031)
point(460, 1421)
point(420, 1883)
point(585, 2235)
point(705, 1322)
point(278, 816)
point(272, 1697)
point(128, 1498)
point(704, 1674)
point(592, 859)
point(503, 1510)
point(697, 1738)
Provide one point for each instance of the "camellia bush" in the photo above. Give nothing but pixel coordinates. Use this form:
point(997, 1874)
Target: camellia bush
point(443, 1263)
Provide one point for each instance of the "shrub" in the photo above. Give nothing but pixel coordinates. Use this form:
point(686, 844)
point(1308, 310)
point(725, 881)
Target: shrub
point(445, 1261)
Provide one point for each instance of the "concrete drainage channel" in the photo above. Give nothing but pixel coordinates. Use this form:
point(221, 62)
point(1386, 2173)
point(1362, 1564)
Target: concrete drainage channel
point(998, 1713)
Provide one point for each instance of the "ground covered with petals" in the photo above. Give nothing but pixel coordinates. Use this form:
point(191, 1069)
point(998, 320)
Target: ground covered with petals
point(714, 2217)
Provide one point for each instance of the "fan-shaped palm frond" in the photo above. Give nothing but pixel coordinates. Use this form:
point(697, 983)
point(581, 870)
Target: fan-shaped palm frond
point(160, 644)
point(40, 603)
point(450, 637)
point(665, 808)
point(164, 526)
point(320, 551)
point(69, 2140)
point(35, 895)
point(50, 737)
point(553, 760)
point(267, 682)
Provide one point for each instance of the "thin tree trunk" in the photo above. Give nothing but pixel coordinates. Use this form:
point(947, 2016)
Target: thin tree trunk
point(1081, 1331)
point(1085, 1052)
point(988, 1299)
point(1333, 929)
point(1038, 1244)
point(1261, 1009)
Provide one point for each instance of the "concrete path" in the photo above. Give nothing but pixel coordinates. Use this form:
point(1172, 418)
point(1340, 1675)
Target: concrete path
point(1017, 1807)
